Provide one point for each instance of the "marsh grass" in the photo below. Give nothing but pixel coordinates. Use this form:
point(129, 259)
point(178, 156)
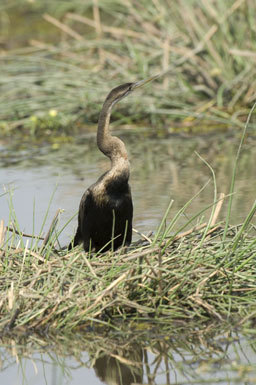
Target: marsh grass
point(211, 79)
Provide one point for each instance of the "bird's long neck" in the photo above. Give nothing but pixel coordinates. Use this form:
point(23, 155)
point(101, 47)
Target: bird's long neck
point(104, 138)
point(111, 146)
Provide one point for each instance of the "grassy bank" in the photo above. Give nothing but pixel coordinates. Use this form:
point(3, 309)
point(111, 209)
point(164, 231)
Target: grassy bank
point(208, 46)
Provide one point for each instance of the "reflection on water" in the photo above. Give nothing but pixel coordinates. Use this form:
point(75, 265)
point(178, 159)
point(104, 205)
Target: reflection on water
point(161, 169)
point(124, 369)
point(133, 358)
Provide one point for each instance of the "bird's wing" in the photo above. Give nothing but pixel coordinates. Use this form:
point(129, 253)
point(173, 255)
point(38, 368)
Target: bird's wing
point(84, 203)
point(83, 211)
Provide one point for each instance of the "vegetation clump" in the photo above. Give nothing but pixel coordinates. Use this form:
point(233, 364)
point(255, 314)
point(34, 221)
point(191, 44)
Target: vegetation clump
point(208, 47)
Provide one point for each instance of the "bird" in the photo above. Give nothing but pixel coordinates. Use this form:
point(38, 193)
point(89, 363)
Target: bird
point(106, 209)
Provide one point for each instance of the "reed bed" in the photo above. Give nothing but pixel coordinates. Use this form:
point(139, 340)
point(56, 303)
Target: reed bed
point(211, 77)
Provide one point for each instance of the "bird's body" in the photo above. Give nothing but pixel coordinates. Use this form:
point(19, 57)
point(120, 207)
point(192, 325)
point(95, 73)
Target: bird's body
point(105, 214)
point(106, 209)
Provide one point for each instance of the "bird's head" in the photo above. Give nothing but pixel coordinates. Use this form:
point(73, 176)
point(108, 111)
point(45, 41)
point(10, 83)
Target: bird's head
point(124, 90)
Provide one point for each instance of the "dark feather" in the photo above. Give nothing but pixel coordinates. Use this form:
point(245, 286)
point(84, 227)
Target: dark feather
point(99, 223)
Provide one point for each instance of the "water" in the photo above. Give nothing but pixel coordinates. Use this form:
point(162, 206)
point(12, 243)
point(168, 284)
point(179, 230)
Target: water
point(170, 359)
point(161, 169)
point(15, 33)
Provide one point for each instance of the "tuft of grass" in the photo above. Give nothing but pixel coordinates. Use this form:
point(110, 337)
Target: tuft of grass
point(211, 78)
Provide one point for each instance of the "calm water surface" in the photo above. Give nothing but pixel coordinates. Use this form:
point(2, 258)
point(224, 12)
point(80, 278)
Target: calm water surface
point(178, 360)
point(161, 169)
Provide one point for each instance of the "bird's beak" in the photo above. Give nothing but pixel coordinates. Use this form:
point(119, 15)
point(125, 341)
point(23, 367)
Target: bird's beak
point(143, 82)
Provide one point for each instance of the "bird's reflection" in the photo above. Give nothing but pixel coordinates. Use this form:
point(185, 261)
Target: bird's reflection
point(123, 368)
